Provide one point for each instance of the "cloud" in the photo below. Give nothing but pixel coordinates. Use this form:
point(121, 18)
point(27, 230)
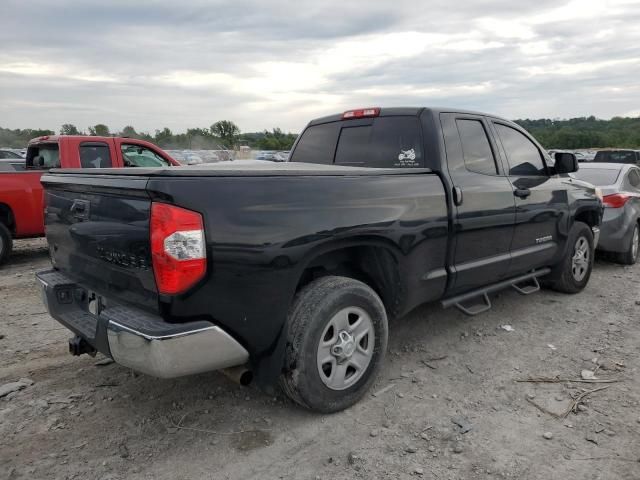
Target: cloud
point(264, 64)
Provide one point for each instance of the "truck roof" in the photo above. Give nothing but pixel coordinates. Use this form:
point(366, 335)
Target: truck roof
point(56, 138)
point(412, 111)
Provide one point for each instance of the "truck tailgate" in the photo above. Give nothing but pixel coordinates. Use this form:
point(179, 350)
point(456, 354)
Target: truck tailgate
point(97, 228)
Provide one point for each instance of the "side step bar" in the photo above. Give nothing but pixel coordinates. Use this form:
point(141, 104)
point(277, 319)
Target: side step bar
point(529, 279)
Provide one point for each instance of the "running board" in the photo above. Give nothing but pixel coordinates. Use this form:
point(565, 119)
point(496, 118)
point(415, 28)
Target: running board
point(462, 302)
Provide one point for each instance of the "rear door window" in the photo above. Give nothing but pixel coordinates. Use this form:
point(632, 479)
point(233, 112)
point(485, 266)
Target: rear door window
point(43, 156)
point(634, 179)
point(476, 149)
point(95, 155)
point(524, 157)
point(139, 156)
point(317, 144)
point(390, 142)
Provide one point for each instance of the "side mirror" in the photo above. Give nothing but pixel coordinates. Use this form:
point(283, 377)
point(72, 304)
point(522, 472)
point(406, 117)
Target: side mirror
point(566, 162)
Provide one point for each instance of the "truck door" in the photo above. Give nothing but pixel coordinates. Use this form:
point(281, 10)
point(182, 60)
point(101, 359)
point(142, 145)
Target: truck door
point(484, 210)
point(542, 208)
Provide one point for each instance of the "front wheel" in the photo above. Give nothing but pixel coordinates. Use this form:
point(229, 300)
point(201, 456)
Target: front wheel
point(630, 257)
point(336, 343)
point(6, 243)
point(572, 274)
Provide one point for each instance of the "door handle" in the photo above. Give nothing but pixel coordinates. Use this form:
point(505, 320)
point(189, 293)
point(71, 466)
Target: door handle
point(457, 196)
point(522, 192)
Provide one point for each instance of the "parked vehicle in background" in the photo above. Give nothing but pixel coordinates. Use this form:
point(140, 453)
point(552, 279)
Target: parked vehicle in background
point(185, 157)
point(282, 156)
point(11, 165)
point(7, 154)
point(21, 197)
point(266, 155)
point(290, 270)
point(620, 227)
point(197, 157)
point(580, 156)
point(618, 156)
point(273, 156)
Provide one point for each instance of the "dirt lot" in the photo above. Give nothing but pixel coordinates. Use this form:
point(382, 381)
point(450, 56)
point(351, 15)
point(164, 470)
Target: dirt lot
point(81, 420)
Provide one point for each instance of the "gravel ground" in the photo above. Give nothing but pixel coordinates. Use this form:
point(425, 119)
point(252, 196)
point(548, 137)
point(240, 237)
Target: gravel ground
point(448, 405)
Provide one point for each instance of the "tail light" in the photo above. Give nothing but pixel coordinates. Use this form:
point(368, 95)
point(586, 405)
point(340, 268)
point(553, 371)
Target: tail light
point(361, 113)
point(616, 200)
point(178, 249)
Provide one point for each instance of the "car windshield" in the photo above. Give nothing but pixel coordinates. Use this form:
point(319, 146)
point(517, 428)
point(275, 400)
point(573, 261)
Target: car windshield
point(616, 156)
point(598, 176)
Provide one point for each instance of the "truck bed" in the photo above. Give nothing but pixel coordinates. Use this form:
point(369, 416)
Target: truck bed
point(263, 224)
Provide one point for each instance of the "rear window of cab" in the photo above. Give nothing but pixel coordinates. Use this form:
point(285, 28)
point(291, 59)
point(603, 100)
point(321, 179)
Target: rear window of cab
point(383, 142)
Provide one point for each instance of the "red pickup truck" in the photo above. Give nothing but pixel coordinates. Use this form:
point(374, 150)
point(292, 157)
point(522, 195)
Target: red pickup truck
point(21, 206)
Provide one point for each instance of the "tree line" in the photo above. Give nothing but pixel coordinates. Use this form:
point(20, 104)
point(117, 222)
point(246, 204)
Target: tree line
point(584, 132)
point(221, 135)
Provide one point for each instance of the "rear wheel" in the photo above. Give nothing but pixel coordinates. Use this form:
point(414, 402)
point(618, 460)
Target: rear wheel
point(6, 243)
point(572, 274)
point(630, 257)
point(336, 343)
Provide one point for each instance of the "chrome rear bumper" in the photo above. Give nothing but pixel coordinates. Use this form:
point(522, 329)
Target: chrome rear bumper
point(176, 355)
point(138, 339)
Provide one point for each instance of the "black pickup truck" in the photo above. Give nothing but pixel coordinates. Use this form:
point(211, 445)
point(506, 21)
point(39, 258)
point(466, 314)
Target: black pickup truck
point(288, 273)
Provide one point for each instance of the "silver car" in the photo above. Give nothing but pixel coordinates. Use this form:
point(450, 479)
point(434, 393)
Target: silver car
point(620, 185)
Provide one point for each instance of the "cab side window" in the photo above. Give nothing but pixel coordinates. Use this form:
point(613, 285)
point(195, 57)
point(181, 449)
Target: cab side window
point(95, 155)
point(476, 149)
point(522, 154)
point(139, 156)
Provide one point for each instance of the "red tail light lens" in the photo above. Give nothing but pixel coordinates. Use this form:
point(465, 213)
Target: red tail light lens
point(178, 248)
point(616, 200)
point(361, 113)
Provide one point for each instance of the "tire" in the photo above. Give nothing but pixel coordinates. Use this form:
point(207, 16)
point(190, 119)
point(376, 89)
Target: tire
point(6, 243)
point(630, 257)
point(572, 274)
point(327, 340)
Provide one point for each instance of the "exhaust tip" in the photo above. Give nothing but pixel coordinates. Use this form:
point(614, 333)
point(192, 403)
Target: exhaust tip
point(241, 375)
point(246, 378)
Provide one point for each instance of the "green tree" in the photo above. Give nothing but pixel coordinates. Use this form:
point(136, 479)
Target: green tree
point(164, 138)
point(276, 139)
point(100, 130)
point(129, 131)
point(69, 129)
point(227, 131)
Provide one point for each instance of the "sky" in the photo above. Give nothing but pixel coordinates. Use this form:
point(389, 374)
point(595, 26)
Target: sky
point(265, 64)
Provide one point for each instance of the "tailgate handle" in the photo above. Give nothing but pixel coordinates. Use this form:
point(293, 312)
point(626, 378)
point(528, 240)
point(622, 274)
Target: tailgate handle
point(80, 208)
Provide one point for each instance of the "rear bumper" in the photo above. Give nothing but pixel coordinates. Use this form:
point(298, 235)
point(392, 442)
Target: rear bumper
point(616, 230)
point(135, 338)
